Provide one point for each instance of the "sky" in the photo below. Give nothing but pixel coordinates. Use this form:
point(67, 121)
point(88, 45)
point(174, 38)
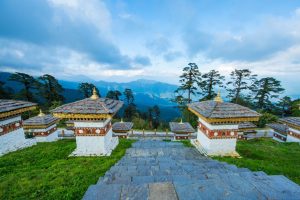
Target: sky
point(120, 41)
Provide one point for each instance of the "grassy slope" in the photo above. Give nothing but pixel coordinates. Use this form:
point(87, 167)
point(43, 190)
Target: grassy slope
point(46, 172)
point(269, 156)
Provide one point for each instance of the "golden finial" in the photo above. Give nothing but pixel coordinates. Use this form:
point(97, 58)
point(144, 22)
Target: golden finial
point(121, 120)
point(41, 114)
point(181, 121)
point(95, 95)
point(218, 98)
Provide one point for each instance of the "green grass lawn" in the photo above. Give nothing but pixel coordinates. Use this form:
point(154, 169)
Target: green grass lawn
point(45, 171)
point(267, 155)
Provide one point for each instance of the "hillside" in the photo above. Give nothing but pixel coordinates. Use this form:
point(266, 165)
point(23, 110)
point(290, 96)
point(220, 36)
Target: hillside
point(147, 93)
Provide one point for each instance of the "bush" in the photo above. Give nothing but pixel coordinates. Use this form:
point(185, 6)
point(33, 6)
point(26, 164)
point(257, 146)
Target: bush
point(266, 118)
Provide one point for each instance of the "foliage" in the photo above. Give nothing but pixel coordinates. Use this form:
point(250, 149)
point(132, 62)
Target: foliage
point(87, 89)
point(266, 118)
point(209, 81)
point(285, 106)
point(189, 79)
point(270, 156)
point(50, 89)
point(265, 89)
point(5, 92)
point(114, 94)
point(46, 171)
point(28, 83)
point(128, 94)
point(296, 108)
point(241, 80)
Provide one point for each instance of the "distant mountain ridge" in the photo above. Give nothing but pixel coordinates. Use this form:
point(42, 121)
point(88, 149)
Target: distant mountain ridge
point(147, 93)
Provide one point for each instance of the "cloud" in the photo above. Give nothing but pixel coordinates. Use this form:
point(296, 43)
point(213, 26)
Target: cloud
point(142, 60)
point(173, 55)
point(253, 43)
point(73, 25)
point(158, 45)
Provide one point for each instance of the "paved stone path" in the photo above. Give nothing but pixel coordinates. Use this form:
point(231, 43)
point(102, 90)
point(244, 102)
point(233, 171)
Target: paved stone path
point(158, 170)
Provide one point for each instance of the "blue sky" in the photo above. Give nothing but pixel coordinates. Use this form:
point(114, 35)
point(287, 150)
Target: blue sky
point(120, 41)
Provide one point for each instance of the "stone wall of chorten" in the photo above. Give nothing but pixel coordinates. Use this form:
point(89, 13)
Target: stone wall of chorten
point(217, 139)
point(94, 138)
point(10, 125)
point(12, 135)
point(92, 128)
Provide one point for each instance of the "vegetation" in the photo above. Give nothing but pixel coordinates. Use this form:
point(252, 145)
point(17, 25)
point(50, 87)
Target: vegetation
point(265, 89)
point(209, 81)
point(45, 171)
point(241, 80)
point(87, 89)
point(266, 118)
point(270, 156)
point(28, 82)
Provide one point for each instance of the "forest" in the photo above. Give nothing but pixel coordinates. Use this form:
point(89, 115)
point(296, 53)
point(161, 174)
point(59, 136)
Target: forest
point(243, 87)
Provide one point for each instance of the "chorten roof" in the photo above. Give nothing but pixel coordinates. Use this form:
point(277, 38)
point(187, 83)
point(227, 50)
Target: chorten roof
point(247, 125)
point(92, 107)
point(294, 122)
point(40, 120)
point(181, 127)
point(218, 111)
point(281, 128)
point(122, 126)
point(10, 107)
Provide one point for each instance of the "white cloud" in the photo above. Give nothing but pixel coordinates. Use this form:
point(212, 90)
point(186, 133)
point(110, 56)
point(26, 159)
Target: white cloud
point(91, 11)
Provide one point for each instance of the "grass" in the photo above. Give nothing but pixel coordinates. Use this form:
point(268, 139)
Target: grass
point(45, 171)
point(267, 155)
point(186, 143)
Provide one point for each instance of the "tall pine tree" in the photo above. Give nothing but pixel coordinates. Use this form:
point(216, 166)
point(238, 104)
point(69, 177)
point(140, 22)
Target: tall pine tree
point(264, 90)
point(29, 83)
point(189, 79)
point(209, 81)
point(241, 80)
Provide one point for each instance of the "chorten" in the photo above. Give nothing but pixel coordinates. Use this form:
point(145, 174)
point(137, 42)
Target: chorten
point(42, 127)
point(122, 128)
point(12, 135)
point(92, 124)
point(218, 124)
point(181, 130)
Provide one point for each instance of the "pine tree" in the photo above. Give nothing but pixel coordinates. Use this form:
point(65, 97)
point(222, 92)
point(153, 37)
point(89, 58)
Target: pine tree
point(130, 111)
point(29, 83)
point(113, 94)
point(50, 89)
point(156, 116)
point(264, 90)
point(87, 89)
point(209, 81)
point(189, 79)
point(285, 106)
point(241, 80)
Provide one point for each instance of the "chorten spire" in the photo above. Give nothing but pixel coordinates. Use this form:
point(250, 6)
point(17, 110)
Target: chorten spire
point(41, 114)
point(95, 94)
point(218, 98)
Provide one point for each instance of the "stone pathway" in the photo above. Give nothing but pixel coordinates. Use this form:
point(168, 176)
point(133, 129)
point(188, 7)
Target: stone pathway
point(158, 170)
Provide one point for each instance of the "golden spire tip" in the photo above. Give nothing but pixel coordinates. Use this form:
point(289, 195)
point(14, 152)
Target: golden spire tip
point(41, 113)
point(95, 95)
point(218, 98)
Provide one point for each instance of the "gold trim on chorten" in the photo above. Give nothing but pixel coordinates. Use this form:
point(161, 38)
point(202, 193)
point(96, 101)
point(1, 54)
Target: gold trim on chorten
point(95, 94)
point(218, 98)
point(41, 114)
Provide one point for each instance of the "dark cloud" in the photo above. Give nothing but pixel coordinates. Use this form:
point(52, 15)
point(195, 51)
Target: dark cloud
point(242, 47)
point(159, 45)
point(173, 55)
point(34, 21)
point(142, 60)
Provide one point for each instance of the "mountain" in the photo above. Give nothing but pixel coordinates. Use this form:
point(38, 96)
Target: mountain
point(147, 93)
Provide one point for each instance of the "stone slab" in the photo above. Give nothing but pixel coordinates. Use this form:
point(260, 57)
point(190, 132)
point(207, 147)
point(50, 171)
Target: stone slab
point(159, 191)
